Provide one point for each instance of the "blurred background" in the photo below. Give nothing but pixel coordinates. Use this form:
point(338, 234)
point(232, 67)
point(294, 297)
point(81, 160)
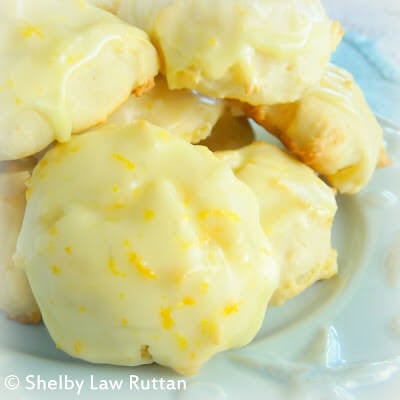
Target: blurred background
point(376, 19)
point(370, 50)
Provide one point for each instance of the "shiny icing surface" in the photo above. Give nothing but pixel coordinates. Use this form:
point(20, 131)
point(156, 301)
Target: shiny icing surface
point(46, 48)
point(95, 241)
point(270, 52)
point(337, 87)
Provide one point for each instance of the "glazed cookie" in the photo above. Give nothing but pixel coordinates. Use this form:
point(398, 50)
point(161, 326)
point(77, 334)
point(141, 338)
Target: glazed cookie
point(16, 297)
point(331, 129)
point(257, 51)
point(151, 241)
point(297, 211)
point(65, 67)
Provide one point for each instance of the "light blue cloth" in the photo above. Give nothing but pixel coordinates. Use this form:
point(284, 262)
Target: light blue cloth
point(379, 79)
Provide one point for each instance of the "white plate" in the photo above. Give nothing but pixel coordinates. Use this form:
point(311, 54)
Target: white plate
point(340, 340)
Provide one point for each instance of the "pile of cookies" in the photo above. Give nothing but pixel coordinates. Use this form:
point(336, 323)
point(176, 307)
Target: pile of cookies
point(136, 201)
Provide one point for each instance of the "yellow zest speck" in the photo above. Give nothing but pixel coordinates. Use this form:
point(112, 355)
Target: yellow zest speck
point(208, 328)
point(214, 233)
point(72, 59)
point(182, 342)
point(51, 301)
point(127, 163)
point(192, 356)
point(122, 296)
point(30, 30)
point(7, 84)
point(113, 268)
point(42, 163)
point(218, 213)
point(231, 308)
point(82, 309)
point(163, 135)
point(348, 84)
point(141, 268)
point(75, 149)
point(188, 301)
point(204, 326)
point(124, 322)
point(212, 41)
point(267, 230)
point(166, 319)
point(56, 270)
point(185, 244)
point(115, 189)
point(148, 215)
point(78, 347)
point(18, 101)
point(204, 287)
point(53, 231)
point(118, 206)
point(68, 249)
point(186, 197)
point(329, 220)
point(127, 243)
